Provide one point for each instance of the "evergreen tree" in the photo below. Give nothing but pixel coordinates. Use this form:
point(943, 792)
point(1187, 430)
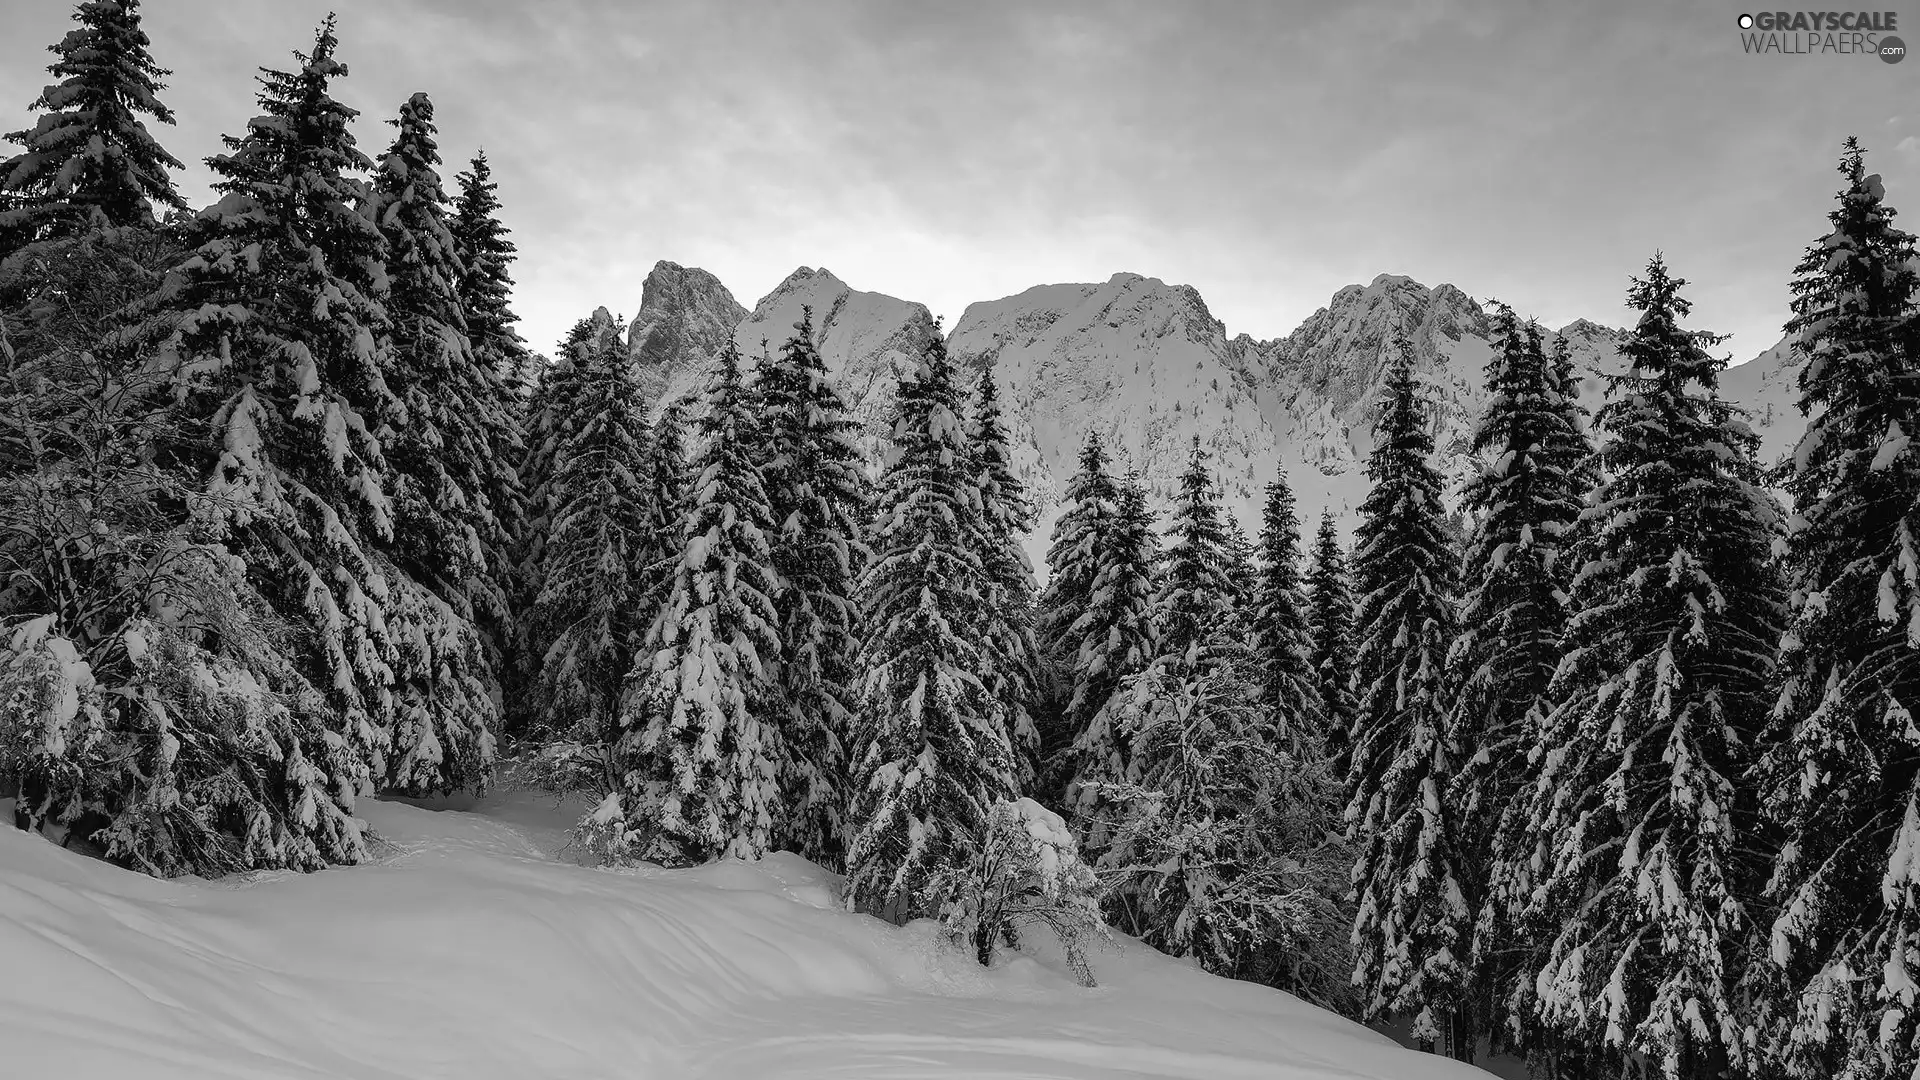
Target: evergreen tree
point(1015, 678)
point(1223, 847)
point(90, 160)
point(1524, 502)
point(1196, 588)
point(1282, 638)
point(1407, 933)
point(1331, 624)
point(588, 613)
point(816, 493)
point(1073, 563)
point(1117, 639)
point(153, 710)
point(934, 753)
point(280, 315)
point(454, 489)
point(555, 413)
point(1645, 844)
point(1243, 569)
point(1842, 768)
point(485, 284)
point(670, 494)
point(705, 761)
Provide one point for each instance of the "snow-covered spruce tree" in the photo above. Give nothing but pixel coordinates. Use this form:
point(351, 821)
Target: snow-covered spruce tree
point(147, 705)
point(1842, 767)
point(702, 747)
point(670, 494)
point(280, 319)
point(588, 613)
point(485, 284)
point(1196, 588)
point(1193, 603)
point(1645, 845)
point(1025, 870)
point(1072, 564)
point(1243, 568)
point(1408, 935)
point(1523, 503)
point(1330, 611)
point(89, 160)
point(816, 491)
point(554, 413)
point(1008, 518)
point(1116, 640)
point(1224, 846)
point(1282, 637)
point(933, 753)
point(451, 441)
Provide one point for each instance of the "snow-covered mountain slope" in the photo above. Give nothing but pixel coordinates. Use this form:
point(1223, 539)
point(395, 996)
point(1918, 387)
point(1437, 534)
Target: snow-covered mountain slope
point(867, 340)
point(1142, 363)
point(1146, 365)
point(1768, 387)
point(470, 951)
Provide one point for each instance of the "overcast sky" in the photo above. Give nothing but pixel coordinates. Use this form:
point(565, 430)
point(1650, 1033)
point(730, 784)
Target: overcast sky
point(1266, 153)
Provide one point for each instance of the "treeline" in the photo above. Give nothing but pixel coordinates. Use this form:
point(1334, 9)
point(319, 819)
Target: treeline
point(1621, 779)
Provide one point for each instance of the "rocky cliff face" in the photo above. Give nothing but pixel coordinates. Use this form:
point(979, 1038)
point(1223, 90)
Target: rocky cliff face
point(1147, 366)
point(1142, 363)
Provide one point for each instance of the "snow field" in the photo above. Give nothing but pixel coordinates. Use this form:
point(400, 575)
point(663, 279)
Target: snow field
point(473, 948)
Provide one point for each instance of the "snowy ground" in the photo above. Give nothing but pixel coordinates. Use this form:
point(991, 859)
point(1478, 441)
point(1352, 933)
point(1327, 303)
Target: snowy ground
point(474, 949)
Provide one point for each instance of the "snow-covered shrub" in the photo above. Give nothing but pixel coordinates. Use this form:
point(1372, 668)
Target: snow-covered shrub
point(1026, 871)
point(1224, 845)
point(49, 717)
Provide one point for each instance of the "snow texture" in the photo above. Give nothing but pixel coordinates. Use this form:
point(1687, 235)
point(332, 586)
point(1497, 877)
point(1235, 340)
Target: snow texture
point(544, 968)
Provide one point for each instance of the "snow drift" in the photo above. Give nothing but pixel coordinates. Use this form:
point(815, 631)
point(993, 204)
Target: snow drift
point(472, 948)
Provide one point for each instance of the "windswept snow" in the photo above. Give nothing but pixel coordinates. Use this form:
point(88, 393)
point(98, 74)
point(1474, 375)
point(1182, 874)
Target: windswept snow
point(474, 949)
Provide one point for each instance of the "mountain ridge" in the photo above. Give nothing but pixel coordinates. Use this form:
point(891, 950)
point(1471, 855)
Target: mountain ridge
point(1147, 365)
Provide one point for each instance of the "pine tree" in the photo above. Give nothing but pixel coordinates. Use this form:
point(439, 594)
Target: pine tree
point(588, 615)
point(670, 495)
point(1842, 769)
point(454, 494)
point(1331, 624)
point(1008, 518)
point(1072, 565)
point(1524, 503)
point(1410, 954)
point(280, 316)
point(1197, 587)
point(816, 493)
point(154, 711)
point(704, 772)
point(1243, 568)
point(1117, 639)
point(934, 752)
point(485, 284)
point(90, 160)
point(554, 412)
point(1645, 842)
point(1282, 638)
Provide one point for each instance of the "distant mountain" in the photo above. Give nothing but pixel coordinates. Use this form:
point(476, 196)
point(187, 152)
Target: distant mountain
point(867, 340)
point(1143, 363)
point(1147, 366)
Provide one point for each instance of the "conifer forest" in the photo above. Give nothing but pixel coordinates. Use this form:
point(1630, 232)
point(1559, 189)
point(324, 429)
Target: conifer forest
point(1601, 761)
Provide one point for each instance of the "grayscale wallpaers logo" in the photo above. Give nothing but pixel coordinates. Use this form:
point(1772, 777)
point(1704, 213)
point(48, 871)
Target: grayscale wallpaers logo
point(1824, 33)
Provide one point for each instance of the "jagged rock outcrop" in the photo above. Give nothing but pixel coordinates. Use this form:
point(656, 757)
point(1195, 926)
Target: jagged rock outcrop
point(1149, 367)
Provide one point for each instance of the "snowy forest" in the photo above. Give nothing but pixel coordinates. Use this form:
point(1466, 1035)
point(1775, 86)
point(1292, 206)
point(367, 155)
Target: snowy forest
point(1614, 771)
